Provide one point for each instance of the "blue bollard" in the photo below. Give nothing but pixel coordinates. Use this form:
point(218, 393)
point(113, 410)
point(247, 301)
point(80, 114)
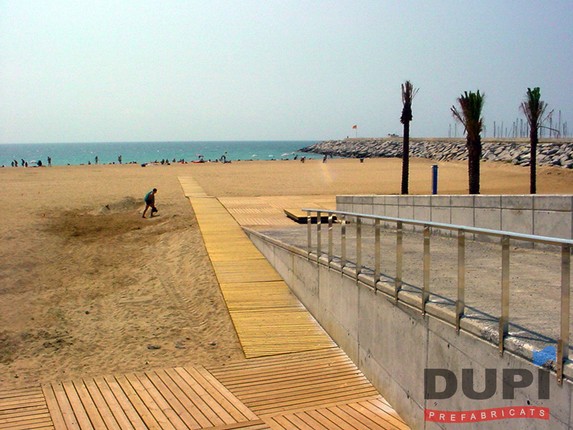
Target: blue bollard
point(435, 179)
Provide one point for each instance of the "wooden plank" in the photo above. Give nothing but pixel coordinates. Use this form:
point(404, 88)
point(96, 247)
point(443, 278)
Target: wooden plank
point(101, 405)
point(150, 402)
point(339, 421)
point(200, 405)
point(224, 406)
point(245, 412)
point(264, 363)
point(160, 400)
point(120, 383)
point(279, 422)
point(21, 402)
point(275, 371)
point(354, 419)
point(17, 392)
point(77, 406)
point(30, 418)
point(317, 420)
point(250, 425)
point(26, 425)
point(269, 385)
point(199, 417)
point(298, 423)
point(257, 295)
point(23, 415)
point(119, 405)
point(282, 406)
point(53, 407)
point(379, 407)
point(176, 398)
point(65, 406)
point(339, 416)
point(204, 398)
point(88, 405)
point(312, 385)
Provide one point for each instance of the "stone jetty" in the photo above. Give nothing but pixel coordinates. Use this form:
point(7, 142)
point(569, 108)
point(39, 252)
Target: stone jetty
point(557, 152)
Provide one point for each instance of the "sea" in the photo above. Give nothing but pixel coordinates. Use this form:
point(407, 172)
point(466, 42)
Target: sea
point(63, 154)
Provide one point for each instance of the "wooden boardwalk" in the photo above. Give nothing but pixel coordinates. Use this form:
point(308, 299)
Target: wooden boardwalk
point(270, 211)
point(295, 378)
point(319, 389)
point(268, 318)
point(24, 409)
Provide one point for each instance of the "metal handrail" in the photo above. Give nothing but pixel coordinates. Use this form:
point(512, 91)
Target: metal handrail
point(566, 246)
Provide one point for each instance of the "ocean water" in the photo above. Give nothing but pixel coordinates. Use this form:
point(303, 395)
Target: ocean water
point(145, 152)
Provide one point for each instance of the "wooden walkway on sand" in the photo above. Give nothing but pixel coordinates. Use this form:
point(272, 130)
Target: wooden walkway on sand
point(268, 318)
point(319, 389)
point(295, 378)
point(273, 211)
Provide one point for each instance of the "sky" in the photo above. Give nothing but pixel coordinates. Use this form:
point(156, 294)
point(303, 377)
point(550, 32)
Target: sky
point(166, 70)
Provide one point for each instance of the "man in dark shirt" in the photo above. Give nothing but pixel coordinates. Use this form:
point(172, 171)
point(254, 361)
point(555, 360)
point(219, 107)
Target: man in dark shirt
point(150, 202)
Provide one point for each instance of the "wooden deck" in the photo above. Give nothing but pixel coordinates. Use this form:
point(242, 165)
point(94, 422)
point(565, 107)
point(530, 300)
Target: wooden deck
point(24, 409)
point(308, 390)
point(296, 377)
point(273, 211)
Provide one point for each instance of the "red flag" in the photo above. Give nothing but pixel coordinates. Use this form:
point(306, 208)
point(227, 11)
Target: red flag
point(354, 127)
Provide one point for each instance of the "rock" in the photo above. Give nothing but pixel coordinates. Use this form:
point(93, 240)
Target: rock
point(150, 346)
point(517, 152)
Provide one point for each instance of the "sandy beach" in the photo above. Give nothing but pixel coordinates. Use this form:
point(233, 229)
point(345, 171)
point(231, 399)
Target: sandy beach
point(88, 287)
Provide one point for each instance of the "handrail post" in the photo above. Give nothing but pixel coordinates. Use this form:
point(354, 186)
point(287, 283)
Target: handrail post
point(329, 238)
point(308, 233)
point(504, 319)
point(358, 246)
point(426, 286)
point(376, 253)
point(399, 259)
point(563, 343)
point(342, 243)
point(318, 235)
point(460, 303)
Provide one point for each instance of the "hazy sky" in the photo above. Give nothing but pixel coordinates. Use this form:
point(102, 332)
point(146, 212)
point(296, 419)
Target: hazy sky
point(132, 70)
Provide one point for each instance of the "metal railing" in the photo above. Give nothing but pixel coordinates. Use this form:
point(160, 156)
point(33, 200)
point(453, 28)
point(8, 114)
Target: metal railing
point(461, 231)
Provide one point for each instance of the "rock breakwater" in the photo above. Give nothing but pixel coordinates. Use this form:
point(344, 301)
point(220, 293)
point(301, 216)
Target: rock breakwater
point(549, 153)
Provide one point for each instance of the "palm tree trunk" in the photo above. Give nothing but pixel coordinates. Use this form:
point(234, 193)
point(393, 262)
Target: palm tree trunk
point(533, 161)
point(406, 158)
point(474, 156)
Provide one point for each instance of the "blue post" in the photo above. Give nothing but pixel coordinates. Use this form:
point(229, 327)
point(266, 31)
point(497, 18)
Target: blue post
point(435, 179)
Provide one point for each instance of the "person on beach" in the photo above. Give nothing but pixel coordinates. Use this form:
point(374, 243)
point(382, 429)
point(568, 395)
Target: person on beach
point(150, 202)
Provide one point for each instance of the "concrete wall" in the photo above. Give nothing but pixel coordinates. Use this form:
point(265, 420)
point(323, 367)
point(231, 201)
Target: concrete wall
point(543, 215)
point(392, 343)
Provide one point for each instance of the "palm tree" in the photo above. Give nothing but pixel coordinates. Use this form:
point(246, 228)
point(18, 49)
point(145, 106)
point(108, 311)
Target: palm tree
point(469, 114)
point(533, 108)
point(408, 93)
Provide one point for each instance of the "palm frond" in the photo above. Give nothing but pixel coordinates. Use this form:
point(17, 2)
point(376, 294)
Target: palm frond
point(469, 112)
point(408, 94)
point(533, 107)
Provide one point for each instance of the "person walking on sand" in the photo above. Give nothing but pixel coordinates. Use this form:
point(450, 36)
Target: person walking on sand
point(150, 202)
